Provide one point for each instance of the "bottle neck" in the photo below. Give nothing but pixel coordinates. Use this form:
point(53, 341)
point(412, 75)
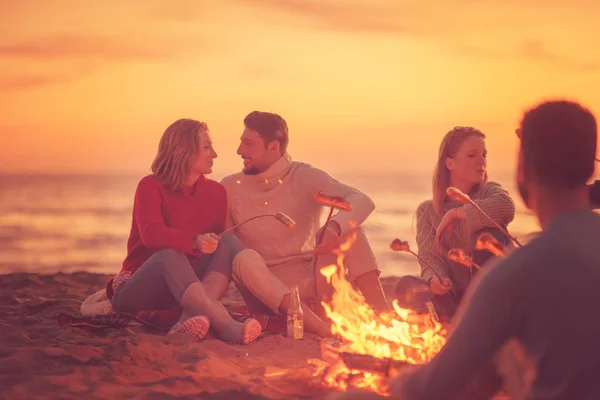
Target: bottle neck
point(295, 298)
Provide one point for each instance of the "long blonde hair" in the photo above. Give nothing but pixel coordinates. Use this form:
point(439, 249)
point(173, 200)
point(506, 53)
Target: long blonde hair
point(177, 149)
point(441, 175)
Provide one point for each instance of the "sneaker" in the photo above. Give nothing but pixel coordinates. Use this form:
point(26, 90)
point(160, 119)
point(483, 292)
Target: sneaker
point(196, 327)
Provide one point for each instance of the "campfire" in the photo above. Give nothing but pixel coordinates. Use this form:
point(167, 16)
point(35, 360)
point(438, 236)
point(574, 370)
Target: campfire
point(374, 344)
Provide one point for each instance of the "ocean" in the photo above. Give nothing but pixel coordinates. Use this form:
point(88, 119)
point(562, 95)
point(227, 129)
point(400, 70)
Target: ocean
point(68, 223)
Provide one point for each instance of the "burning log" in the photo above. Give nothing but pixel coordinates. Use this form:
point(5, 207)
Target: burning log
point(486, 241)
point(460, 197)
point(364, 362)
point(331, 351)
point(374, 343)
point(343, 369)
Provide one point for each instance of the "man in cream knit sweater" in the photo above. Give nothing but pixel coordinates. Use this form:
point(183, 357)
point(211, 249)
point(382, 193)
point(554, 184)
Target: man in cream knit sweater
point(271, 182)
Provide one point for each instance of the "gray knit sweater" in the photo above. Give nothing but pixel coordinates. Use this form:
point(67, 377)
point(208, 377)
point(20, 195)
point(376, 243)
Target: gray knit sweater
point(494, 200)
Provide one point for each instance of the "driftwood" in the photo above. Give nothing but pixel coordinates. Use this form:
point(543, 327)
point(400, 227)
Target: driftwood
point(365, 362)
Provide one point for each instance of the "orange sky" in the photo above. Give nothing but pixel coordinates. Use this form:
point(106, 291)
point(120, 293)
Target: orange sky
point(91, 86)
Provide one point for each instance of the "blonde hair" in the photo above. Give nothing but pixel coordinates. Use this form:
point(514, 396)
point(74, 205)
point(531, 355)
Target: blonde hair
point(177, 149)
point(441, 181)
point(441, 175)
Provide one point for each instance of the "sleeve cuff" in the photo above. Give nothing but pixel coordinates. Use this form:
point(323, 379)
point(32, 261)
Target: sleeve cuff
point(188, 240)
point(427, 274)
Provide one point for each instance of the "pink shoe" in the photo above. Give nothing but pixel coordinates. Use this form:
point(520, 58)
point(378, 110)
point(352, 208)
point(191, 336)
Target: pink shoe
point(252, 330)
point(197, 327)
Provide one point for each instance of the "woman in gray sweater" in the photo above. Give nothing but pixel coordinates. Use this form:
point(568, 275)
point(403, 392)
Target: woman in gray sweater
point(443, 224)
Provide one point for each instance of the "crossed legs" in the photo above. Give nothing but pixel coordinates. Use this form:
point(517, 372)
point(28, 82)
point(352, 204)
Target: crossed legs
point(167, 279)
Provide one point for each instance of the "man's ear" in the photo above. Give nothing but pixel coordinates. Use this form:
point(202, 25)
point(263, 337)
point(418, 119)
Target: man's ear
point(273, 146)
point(449, 163)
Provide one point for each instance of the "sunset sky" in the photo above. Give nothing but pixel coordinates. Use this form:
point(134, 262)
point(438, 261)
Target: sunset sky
point(90, 86)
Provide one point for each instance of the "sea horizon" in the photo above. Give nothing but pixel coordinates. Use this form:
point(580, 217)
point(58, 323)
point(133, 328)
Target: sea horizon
point(53, 223)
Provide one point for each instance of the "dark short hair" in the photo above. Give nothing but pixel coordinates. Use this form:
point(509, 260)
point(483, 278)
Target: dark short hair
point(558, 143)
point(269, 126)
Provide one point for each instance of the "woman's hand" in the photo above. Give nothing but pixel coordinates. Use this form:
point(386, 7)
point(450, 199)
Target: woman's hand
point(207, 243)
point(440, 287)
point(446, 227)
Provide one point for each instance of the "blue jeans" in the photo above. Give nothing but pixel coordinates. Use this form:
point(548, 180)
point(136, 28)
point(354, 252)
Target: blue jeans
point(161, 281)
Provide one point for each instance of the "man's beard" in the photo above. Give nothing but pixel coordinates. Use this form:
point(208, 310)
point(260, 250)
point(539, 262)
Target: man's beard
point(251, 171)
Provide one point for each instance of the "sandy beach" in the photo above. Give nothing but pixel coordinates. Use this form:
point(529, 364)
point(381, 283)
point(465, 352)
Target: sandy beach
point(41, 359)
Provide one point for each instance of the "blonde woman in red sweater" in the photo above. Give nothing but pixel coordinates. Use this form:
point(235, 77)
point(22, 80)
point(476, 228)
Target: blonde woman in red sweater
point(174, 256)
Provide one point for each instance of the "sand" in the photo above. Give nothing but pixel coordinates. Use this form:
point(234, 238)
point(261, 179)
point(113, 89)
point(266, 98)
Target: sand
point(41, 359)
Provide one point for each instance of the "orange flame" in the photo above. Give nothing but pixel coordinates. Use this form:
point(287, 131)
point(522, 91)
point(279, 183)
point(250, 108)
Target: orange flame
point(400, 334)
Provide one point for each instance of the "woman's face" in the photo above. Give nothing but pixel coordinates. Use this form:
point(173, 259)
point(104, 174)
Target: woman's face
point(203, 162)
point(469, 163)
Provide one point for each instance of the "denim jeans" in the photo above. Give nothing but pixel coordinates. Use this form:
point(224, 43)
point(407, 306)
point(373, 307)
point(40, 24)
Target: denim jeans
point(161, 281)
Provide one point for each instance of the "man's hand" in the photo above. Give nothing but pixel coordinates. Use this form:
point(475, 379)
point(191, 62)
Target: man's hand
point(207, 243)
point(331, 238)
point(440, 287)
point(446, 227)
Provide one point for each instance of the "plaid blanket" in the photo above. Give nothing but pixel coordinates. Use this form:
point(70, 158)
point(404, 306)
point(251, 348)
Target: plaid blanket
point(159, 320)
point(162, 320)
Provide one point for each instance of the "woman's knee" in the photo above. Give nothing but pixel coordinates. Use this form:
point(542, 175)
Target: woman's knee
point(167, 255)
point(412, 292)
point(169, 258)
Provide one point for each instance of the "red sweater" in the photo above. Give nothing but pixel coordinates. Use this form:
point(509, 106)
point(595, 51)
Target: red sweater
point(166, 219)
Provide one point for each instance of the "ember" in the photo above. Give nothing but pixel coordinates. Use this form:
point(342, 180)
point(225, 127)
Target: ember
point(374, 343)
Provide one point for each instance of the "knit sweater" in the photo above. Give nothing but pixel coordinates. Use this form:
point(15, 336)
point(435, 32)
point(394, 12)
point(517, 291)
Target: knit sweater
point(288, 187)
point(493, 200)
point(167, 219)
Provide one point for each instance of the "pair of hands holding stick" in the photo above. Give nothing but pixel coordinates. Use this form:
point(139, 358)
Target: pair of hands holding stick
point(437, 285)
point(206, 243)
